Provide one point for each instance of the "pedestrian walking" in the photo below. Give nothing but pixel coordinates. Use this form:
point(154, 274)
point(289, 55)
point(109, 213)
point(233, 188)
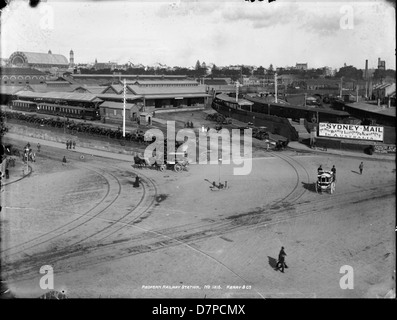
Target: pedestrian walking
point(136, 183)
point(74, 144)
point(67, 144)
point(281, 260)
point(361, 167)
point(333, 170)
point(38, 147)
point(64, 159)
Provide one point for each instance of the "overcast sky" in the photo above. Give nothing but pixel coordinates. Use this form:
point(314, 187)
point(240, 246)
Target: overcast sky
point(224, 32)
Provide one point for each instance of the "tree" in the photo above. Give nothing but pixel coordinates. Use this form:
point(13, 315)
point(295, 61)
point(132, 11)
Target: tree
point(382, 74)
point(198, 65)
point(259, 71)
point(350, 72)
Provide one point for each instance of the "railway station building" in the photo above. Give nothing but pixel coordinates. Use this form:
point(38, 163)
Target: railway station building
point(21, 76)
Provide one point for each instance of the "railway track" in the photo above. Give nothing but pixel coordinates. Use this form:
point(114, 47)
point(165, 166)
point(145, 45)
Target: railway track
point(114, 241)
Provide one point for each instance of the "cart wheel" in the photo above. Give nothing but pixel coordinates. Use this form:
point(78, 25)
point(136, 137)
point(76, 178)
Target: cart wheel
point(316, 187)
point(332, 187)
point(178, 167)
point(162, 167)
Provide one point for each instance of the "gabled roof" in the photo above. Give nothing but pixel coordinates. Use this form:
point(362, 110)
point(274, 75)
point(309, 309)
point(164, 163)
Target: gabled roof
point(119, 97)
point(91, 89)
point(118, 105)
point(72, 96)
point(200, 89)
point(163, 82)
point(225, 97)
point(10, 89)
point(45, 88)
point(381, 86)
point(391, 112)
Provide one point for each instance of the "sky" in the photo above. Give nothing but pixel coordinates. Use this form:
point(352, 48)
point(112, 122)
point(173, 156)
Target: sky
point(225, 32)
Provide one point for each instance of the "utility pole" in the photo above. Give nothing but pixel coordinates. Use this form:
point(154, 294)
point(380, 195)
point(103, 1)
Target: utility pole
point(124, 99)
point(237, 85)
point(275, 87)
point(341, 86)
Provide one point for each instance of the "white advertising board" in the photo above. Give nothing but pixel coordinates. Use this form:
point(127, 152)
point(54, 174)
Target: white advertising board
point(350, 131)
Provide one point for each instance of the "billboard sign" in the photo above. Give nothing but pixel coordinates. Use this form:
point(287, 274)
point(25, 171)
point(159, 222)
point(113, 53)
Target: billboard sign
point(351, 131)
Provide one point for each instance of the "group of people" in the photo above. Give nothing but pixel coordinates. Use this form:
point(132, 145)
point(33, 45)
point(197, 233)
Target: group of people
point(69, 144)
point(333, 169)
point(189, 124)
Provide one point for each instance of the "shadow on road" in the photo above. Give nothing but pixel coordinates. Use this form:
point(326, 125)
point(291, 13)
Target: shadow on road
point(309, 186)
point(272, 262)
point(355, 172)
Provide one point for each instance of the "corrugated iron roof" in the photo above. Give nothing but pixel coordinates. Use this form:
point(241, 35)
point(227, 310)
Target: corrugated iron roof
point(373, 108)
point(72, 96)
point(200, 89)
point(92, 89)
point(162, 82)
point(10, 89)
point(176, 96)
point(381, 86)
point(117, 96)
point(225, 97)
point(118, 105)
point(44, 88)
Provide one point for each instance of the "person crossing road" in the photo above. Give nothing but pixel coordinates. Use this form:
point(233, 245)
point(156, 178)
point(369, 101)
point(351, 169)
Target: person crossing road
point(281, 260)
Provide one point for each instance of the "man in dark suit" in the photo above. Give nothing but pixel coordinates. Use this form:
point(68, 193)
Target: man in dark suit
point(281, 260)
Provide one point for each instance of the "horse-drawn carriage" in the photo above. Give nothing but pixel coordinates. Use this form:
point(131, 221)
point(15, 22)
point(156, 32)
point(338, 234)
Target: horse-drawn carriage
point(178, 164)
point(325, 182)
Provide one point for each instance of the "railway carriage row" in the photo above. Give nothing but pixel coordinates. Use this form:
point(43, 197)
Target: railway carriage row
point(88, 113)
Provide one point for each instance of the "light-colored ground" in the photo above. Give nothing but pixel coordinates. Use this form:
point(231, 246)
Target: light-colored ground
point(105, 238)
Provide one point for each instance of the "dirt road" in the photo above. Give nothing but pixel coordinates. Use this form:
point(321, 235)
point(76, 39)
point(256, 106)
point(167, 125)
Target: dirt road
point(175, 237)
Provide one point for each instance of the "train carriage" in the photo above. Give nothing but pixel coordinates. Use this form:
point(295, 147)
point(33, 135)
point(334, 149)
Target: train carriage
point(22, 105)
point(68, 111)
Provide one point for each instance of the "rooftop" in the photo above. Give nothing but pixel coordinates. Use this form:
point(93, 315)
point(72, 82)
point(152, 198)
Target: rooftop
point(391, 112)
point(199, 89)
point(42, 58)
point(117, 105)
point(162, 82)
point(71, 96)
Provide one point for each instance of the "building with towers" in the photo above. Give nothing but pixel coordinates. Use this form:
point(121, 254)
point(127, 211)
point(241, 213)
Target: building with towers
point(45, 62)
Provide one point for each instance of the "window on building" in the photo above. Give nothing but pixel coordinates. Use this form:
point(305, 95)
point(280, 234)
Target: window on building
point(115, 112)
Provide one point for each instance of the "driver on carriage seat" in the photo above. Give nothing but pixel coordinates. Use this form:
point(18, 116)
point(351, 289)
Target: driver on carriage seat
point(320, 169)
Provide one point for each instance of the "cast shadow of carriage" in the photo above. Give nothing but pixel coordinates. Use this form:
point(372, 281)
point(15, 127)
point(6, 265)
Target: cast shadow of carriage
point(309, 186)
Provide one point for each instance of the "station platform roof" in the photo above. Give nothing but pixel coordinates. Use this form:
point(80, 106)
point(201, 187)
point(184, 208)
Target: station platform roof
point(391, 112)
point(68, 96)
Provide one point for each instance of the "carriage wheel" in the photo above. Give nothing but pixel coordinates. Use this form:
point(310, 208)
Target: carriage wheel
point(316, 187)
point(162, 167)
point(332, 187)
point(178, 167)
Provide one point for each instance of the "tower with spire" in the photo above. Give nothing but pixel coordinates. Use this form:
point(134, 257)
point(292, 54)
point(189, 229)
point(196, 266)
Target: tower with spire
point(71, 60)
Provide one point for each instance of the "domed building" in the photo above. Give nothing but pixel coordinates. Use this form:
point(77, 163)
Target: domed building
point(38, 60)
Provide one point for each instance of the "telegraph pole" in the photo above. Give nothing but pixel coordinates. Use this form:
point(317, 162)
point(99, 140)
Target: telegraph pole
point(124, 92)
point(275, 87)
